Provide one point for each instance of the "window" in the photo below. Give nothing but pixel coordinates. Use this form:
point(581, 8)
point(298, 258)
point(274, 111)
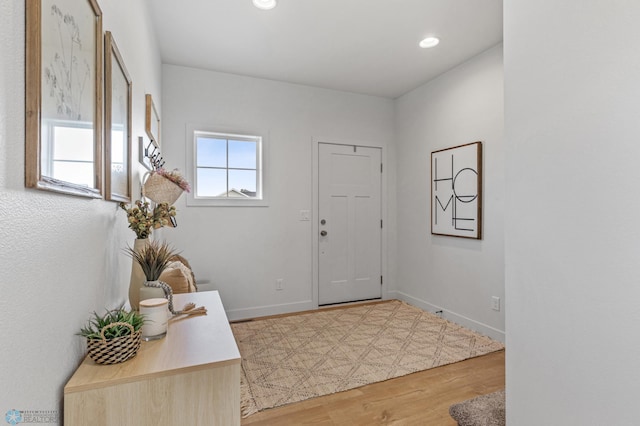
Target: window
point(227, 169)
point(70, 153)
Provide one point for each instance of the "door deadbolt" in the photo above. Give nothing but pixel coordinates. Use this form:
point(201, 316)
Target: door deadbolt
point(323, 222)
point(323, 233)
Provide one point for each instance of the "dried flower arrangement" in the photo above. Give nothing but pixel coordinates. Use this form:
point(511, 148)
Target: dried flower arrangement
point(143, 219)
point(176, 177)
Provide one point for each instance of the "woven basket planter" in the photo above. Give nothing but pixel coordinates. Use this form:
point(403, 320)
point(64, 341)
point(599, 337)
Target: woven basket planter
point(160, 189)
point(113, 351)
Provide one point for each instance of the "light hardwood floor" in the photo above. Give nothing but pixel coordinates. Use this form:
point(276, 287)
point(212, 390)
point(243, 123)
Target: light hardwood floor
point(420, 399)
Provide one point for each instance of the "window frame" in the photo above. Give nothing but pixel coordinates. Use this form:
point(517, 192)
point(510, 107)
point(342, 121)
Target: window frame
point(260, 137)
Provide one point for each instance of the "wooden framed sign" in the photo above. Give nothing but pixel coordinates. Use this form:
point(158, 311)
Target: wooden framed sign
point(456, 191)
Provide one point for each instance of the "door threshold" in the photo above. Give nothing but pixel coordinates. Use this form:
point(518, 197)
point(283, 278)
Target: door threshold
point(330, 306)
point(353, 302)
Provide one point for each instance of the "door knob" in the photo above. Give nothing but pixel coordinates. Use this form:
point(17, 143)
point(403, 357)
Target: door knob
point(323, 233)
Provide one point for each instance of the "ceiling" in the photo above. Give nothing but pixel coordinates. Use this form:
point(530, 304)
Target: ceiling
point(362, 46)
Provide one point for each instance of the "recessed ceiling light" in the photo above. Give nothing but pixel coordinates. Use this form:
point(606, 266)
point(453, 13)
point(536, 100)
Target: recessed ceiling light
point(429, 42)
point(265, 4)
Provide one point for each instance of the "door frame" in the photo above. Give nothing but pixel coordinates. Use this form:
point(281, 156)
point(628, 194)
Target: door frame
point(315, 205)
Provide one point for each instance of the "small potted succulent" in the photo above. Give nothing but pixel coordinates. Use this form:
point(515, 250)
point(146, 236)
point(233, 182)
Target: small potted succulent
point(113, 337)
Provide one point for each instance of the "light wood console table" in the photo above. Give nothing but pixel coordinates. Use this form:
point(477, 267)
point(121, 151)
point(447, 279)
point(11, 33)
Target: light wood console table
point(190, 377)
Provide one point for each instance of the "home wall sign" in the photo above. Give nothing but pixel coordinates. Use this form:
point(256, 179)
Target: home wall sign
point(456, 191)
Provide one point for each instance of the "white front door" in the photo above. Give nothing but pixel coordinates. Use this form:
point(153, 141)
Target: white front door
point(350, 223)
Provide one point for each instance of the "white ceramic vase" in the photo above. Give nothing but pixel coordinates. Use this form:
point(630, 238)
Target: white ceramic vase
point(137, 276)
point(151, 292)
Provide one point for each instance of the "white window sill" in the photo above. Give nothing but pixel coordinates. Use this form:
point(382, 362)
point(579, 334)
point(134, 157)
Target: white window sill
point(219, 202)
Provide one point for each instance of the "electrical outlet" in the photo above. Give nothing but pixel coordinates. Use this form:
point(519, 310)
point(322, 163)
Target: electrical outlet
point(279, 284)
point(495, 303)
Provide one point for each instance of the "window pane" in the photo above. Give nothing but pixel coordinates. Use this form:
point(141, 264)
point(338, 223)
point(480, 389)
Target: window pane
point(73, 143)
point(242, 154)
point(243, 181)
point(118, 144)
point(78, 173)
point(211, 152)
point(211, 183)
point(119, 179)
point(72, 155)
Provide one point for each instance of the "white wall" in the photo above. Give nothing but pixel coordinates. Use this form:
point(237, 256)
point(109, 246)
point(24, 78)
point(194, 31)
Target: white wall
point(61, 256)
point(243, 250)
point(572, 97)
point(456, 275)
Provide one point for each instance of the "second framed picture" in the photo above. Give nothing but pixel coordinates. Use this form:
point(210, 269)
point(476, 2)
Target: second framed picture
point(118, 97)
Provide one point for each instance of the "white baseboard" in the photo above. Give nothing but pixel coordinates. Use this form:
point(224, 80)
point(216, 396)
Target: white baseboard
point(306, 305)
point(471, 324)
point(262, 311)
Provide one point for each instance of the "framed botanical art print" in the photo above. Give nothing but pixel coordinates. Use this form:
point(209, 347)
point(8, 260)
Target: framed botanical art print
point(63, 144)
point(456, 191)
point(117, 124)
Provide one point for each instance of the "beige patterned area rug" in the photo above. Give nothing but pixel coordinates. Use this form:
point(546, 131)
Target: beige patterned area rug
point(293, 358)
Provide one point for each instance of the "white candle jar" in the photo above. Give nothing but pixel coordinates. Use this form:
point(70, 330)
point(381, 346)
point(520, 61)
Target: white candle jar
point(156, 316)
